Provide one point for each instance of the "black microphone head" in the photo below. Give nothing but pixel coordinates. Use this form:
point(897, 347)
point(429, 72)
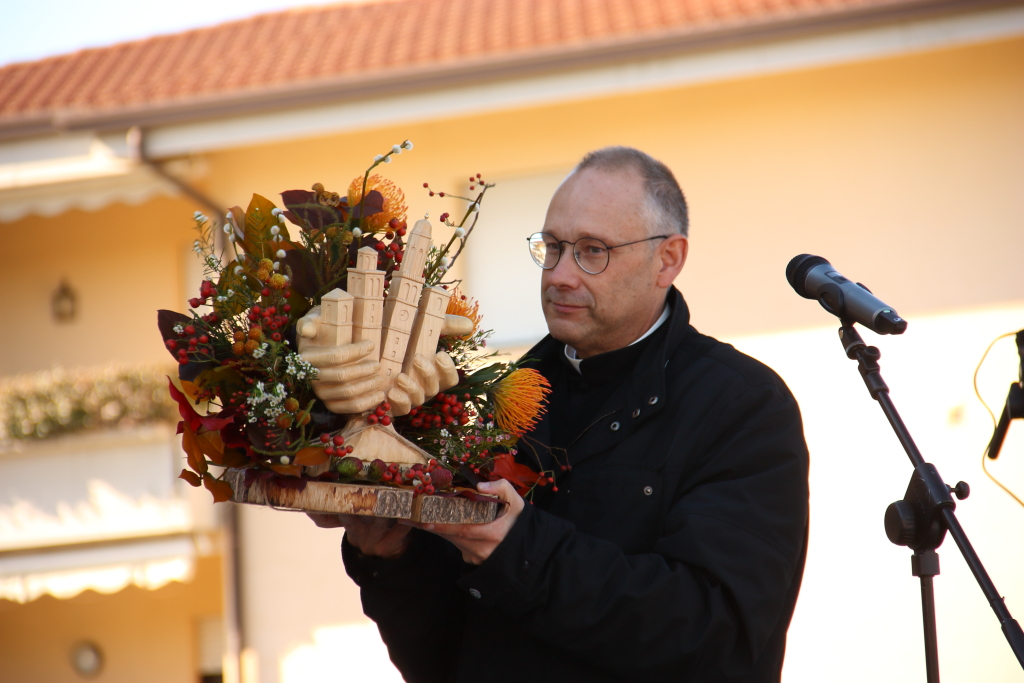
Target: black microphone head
point(796, 272)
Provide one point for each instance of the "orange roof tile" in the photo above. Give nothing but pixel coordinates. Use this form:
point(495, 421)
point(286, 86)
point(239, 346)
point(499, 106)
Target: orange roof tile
point(329, 49)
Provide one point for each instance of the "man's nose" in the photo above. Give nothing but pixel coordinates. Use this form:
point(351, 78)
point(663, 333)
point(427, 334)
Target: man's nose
point(566, 272)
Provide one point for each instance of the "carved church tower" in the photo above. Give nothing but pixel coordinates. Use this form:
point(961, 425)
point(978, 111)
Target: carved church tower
point(366, 285)
point(402, 302)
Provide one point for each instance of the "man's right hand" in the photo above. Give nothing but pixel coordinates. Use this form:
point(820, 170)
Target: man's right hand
point(372, 536)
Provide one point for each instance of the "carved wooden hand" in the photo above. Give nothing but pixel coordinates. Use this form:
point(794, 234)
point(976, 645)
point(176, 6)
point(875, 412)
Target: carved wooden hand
point(369, 348)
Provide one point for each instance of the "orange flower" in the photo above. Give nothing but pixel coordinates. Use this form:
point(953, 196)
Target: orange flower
point(459, 304)
point(519, 400)
point(394, 201)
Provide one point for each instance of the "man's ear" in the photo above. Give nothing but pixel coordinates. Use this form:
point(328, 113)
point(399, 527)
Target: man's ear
point(673, 256)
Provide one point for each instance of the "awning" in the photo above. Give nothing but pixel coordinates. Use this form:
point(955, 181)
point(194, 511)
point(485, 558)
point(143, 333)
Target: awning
point(66, 571)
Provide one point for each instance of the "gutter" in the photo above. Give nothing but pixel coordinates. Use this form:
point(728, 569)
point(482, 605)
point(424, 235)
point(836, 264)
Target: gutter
point(369, 85)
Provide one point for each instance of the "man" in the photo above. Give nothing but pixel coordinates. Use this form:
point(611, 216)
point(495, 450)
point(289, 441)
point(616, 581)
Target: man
point(674, 547)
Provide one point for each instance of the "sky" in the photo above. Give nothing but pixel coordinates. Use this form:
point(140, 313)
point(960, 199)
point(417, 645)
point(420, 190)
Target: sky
point(33, 29)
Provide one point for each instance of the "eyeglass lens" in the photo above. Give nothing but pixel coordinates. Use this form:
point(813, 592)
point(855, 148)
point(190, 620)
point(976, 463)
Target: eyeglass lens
point(590, 253)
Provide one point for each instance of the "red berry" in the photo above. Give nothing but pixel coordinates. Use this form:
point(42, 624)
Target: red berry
point(349, 449)
point(440, 194)
point(182, 361)
point(379, 246)
point(324, 438)
point(426, 184)
point(272, 310)
point(329, 450)
point(195, 303)
point(372, 418)
point(192, 341)
point(286, 308)
point(276, 336)
point(386, 420)
point(338, 440)
point(203, 339)
point(171, 344)
point(256, 310)
point(189, 329)
point(265, 292)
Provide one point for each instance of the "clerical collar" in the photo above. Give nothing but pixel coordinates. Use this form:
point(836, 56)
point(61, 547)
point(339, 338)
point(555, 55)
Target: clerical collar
point(570, 352)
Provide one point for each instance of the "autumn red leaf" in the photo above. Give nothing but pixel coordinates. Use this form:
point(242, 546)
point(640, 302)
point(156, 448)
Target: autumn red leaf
point(221, 490)
point(193, 453)
point(211, 445)
point(191, 477)
point(311, 457)
point(517, 474)
point(288, 470)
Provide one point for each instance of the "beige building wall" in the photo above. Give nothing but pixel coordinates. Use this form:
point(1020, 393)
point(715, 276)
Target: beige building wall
point(905, 172)
point(144, 635)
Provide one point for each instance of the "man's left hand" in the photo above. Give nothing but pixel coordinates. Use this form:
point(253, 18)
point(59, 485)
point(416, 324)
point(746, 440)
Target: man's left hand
point(478, 541)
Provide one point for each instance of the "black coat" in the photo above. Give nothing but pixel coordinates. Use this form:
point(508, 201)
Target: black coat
point(672, 552)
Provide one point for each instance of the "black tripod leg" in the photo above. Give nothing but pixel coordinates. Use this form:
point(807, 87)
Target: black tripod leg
point(925, 564)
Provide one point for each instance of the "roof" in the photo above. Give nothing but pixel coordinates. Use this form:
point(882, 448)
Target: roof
point(326, 53)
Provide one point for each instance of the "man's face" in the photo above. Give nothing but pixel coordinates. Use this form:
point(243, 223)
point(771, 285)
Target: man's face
point(599, 313)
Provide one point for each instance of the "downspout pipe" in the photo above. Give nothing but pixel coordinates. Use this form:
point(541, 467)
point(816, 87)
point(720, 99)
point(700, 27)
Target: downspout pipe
point(137, 152)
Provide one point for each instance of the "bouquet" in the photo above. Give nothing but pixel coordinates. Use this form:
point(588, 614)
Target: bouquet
point(248, 398)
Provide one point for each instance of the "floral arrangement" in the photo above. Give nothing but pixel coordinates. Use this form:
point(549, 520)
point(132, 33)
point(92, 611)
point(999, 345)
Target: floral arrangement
point(246, 398)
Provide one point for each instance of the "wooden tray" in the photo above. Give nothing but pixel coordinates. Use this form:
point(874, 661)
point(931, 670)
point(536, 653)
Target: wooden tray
point(364, 499)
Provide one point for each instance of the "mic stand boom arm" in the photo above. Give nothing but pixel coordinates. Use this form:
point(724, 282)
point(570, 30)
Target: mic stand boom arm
point(922, 518)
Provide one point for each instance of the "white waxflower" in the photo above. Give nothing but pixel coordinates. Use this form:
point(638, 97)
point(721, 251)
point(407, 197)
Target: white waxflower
point(377, 159)
point(277, 265)
point(396, 149)
point(226, 229)
point(387, 160)
point(239, 270)
point(275, 211)
point(407, 144)
point(275, 230)
point(460, 232)
point(231, 237)
point(280, 218)
point(280, 253)
point(356, 233)
point(222, 299)
point(285, 460)
point(474, 207)
point(241, 257)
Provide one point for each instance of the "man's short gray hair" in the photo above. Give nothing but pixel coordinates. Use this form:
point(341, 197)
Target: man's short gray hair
point(666, 205)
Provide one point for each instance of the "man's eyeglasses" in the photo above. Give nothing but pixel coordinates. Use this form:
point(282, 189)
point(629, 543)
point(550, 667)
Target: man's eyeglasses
point(590, 253)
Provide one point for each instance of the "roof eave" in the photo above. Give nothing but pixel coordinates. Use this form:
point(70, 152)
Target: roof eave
point(369, 85)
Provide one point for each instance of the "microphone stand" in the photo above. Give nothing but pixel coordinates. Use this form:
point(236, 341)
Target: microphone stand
point(921, 520)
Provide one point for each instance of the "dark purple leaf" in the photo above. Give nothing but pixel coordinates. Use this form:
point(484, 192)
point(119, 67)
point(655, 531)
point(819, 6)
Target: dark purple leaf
point(166, 320)
point(192, 369)
point(312, 214)
point(372, 203)
point(284, 482)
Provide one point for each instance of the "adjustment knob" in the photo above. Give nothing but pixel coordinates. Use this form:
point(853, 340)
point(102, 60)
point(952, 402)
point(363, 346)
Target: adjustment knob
point(900, 526)
point(961, 490)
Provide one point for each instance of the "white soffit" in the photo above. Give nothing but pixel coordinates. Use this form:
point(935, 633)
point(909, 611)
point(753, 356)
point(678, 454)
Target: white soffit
point(726, 63)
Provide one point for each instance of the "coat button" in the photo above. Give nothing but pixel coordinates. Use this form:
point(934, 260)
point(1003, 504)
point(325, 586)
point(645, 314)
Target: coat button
point(614, 426)
point(648, 490)
point(636, 413)
point(652, 400)
point(475, 593)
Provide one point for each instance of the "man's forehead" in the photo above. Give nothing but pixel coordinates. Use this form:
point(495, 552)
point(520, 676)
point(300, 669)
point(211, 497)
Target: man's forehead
point(596, 202)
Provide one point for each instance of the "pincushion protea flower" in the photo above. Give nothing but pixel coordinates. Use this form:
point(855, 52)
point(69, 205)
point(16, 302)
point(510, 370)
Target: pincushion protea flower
point(394, 201)
point(519, 400)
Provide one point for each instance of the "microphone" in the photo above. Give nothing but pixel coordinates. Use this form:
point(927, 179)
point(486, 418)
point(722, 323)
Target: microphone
point(814, 278)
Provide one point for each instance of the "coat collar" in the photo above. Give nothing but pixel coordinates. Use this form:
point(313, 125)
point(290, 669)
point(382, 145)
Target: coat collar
point(641, 396)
